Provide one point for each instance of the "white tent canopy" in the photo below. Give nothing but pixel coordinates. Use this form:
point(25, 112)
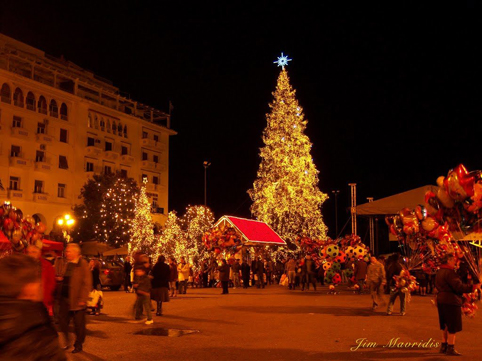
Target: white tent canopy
point(394, 204)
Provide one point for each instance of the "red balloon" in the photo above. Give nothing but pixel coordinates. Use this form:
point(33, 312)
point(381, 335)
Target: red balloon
point(8, 224)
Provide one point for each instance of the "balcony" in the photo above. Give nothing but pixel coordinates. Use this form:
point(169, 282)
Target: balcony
point(148, 164)
point(146, 142)
point(110, 154)
point(44, 138)
point(127, 158)
point(40, 197)
point(19, 161)
point(161, 167)
point(20, 132)
point(42, 166)
point(16, 194)
point(153, 187)
point(93, 151)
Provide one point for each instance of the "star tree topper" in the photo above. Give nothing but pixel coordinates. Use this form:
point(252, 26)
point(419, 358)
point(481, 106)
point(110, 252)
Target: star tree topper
point(282, 60)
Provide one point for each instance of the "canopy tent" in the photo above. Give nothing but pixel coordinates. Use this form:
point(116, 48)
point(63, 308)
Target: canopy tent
point(94, 248)
point(122, 251)
point(394, 204)
point(252, 233)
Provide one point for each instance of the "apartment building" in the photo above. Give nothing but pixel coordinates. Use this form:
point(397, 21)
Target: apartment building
point(61, 124)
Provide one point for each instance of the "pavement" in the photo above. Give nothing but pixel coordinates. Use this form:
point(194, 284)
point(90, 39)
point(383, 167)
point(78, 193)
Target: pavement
point(273, 323)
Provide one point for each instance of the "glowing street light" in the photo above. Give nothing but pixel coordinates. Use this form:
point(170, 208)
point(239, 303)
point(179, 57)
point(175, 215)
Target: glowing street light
point(66, 223)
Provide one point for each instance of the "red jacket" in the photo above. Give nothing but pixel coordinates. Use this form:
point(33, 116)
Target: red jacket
point(48, 282)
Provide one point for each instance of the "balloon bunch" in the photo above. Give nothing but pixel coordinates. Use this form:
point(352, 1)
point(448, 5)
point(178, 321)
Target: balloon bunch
point(20, 231)
point(469, 308)
point(429, 231)
point(332, 254)
point(222, 238)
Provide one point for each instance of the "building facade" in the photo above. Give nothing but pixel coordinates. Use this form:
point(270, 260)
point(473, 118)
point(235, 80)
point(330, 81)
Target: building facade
point(61, 124)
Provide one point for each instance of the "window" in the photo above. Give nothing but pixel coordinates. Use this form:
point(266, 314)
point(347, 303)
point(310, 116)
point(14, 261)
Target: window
point(144, 135)
point(15, 151)
point(155, 180)
point(124, 150)
point(40, 128)
point(90, 141)
point(89, 167)
point(30, 100)
point(18, 98)
point(63, 162)
point(42, 105)
point(107, 169)
point(119, 129)
point(17, 122)
point(108, 146)
point(125, 131)
point(114, 127)
point(89, 121)
point(63, 135)
point(156, 159)
point(63, 112)
point(15, 183)
point(156, 138)
point(54, 109)
point(61, 190)
point(38, 187)
point(5, 94)
point(40, 156)
point(123, 173)
point(102, 124)
point(144, 156)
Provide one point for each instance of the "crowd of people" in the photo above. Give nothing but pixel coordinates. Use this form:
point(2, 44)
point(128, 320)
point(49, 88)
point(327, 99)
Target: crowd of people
point(40, 294)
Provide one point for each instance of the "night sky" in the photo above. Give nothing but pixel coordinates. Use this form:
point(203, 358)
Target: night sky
point(392, 95)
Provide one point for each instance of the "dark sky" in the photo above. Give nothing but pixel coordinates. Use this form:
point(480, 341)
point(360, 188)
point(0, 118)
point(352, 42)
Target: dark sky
point(392, 95)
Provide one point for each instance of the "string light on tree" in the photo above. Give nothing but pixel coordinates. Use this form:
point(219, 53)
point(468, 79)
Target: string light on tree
point(285, 194)
point(141, 231)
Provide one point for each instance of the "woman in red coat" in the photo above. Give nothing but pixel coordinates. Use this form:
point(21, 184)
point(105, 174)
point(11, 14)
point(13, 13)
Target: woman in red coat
point(48, 277)
point(449, 303)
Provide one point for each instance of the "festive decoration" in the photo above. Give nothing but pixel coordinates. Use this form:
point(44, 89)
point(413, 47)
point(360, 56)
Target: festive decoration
point(141, 228)
point(20, 231)
point(282, 60)
point(439, 226)
point(285, 194)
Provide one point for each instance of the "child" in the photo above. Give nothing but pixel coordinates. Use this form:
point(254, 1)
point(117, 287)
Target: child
point(142, 287)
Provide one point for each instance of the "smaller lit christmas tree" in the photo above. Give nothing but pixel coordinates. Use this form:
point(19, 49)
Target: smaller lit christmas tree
point(171, 242)
point(142, 232)
point(196, 221)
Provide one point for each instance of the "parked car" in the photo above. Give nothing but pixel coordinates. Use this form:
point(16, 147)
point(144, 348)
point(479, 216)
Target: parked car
point(111, 274)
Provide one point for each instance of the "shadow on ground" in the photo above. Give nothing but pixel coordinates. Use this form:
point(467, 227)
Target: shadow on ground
point(325, 310)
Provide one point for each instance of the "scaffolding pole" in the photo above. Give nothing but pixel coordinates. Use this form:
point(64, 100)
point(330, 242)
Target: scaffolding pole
point(353, 208)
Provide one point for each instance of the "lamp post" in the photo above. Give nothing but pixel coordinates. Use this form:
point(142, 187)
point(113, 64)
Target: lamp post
point(66, 223)
point(206, 164)
point(336, 192)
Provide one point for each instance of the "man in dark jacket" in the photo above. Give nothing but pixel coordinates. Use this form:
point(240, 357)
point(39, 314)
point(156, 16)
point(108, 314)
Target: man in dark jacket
point(360, 273)
point(395, 269)
point(224, 276)
point(26, 331)
point(260, 273)
point(245, 272)
point(76, 284)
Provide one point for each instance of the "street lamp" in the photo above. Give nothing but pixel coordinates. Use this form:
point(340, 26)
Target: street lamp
point(66, 223)
point(336, 192)
point(206, 164)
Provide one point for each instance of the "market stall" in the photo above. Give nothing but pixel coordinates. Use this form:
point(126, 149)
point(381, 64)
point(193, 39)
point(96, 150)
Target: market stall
point(240, 236)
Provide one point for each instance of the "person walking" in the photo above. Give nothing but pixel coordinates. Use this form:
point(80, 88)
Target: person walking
point(360, 273)
point(183, 275)
point(245, 273)
point(160, 283)
point(127, 274)
point(290, 269)
point(395, 269)
point(48, 277)
point(310, 273)
point(204, 273)
point(142, 287)
point(94, 267)
point(260, 273)
point(449, 302)
point(173, 277)
point(235, 268)
point(224, 276)
point(26, 330)
point(75, 288)
point(376, 280)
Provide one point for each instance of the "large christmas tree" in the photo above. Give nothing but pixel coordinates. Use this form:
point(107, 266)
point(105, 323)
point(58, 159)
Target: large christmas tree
point(286, 195)
point(142, 231)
